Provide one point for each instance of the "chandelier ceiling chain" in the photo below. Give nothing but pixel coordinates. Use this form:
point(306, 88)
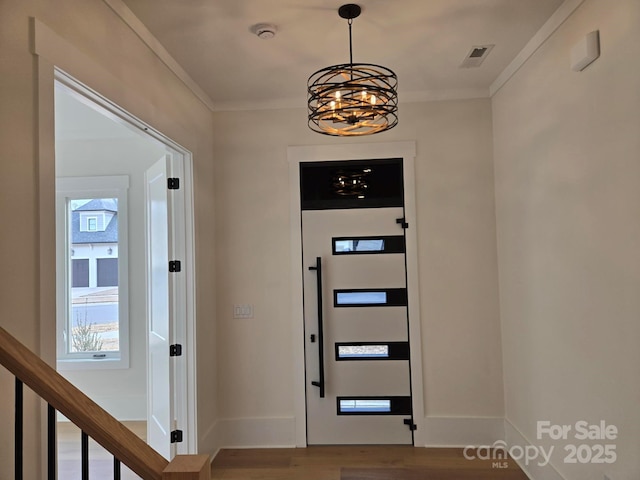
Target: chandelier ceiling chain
point(350, 22)
point(352, 99)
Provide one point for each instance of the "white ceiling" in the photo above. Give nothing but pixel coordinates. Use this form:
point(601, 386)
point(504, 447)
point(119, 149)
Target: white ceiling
point(423, 41)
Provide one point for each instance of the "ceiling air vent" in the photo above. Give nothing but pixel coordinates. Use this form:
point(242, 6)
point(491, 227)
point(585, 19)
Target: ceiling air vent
point(476, 56)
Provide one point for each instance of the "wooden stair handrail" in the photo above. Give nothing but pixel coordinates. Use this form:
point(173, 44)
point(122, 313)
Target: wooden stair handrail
point(80, 409)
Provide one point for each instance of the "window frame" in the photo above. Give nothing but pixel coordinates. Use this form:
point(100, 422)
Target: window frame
point(75, 188)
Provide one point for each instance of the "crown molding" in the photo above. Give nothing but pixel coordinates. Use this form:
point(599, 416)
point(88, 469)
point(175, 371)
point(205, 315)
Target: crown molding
point(301, 102)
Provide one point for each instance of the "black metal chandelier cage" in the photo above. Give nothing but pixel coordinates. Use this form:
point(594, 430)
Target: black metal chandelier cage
point(352, 99)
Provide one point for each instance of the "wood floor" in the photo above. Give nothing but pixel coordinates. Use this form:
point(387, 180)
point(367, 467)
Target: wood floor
point(359, 463)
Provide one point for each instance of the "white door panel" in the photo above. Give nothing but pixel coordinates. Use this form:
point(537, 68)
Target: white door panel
point(358, 221)
point(348, 271)
point(359, 431)
point(159, 307)
point(362, 378)
point(376, 420)
point(390, 324)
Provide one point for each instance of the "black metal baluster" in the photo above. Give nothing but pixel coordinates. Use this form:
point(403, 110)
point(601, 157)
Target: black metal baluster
point(51, 443)
point(18, 430)
point(85, 456)
point(116, 469)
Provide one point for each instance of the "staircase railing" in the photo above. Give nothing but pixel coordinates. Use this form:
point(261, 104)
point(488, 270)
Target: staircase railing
point(125, 446)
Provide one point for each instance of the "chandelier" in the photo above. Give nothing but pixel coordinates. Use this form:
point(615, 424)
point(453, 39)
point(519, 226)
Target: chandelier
point(352, 99)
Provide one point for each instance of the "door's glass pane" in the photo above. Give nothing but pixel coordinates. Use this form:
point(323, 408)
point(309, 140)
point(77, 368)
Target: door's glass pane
point(383, 405)
point(365, 245)
point(372, 351)
point(361, 298)
point(364, 406)
point(384, 297)
point(368, 245)
point(351, 184)
point(94, 323)
point(363, 351)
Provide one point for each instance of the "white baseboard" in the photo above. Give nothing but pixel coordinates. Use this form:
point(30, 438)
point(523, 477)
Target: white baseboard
point(262, 432)
point(461, 431)
point(534, 471)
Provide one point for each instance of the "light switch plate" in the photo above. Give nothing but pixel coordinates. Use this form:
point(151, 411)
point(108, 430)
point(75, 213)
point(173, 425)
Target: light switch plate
point(244, 310)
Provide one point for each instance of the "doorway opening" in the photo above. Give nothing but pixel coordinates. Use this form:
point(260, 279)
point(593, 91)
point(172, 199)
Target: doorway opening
point(114, 307)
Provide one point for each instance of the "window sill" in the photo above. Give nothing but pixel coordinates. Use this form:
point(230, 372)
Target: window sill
point(92, 364)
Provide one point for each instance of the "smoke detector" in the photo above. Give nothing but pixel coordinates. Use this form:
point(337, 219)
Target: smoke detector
point(265, 31)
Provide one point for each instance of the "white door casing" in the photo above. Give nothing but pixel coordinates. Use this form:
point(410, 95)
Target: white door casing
point(184, 393)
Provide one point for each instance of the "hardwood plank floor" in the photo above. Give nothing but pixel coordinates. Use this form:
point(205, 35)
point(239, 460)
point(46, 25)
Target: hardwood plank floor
point(358, 463)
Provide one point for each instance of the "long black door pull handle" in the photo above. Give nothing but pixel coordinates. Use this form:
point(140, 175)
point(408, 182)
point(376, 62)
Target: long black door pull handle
point(318, 269)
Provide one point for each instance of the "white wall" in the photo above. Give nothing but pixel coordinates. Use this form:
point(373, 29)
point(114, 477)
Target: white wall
point(122, 392)
point(458, 275)
point(90, 42)
point(567, 150)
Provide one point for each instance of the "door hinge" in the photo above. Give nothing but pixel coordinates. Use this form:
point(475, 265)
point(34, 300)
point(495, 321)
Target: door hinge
point(402, 222)
point(175, 350)
point(174, 266)
point(176, 436)
point(412, 426)
point(173, 183)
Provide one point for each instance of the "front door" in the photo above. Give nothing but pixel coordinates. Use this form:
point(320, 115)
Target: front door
point(355, 305)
